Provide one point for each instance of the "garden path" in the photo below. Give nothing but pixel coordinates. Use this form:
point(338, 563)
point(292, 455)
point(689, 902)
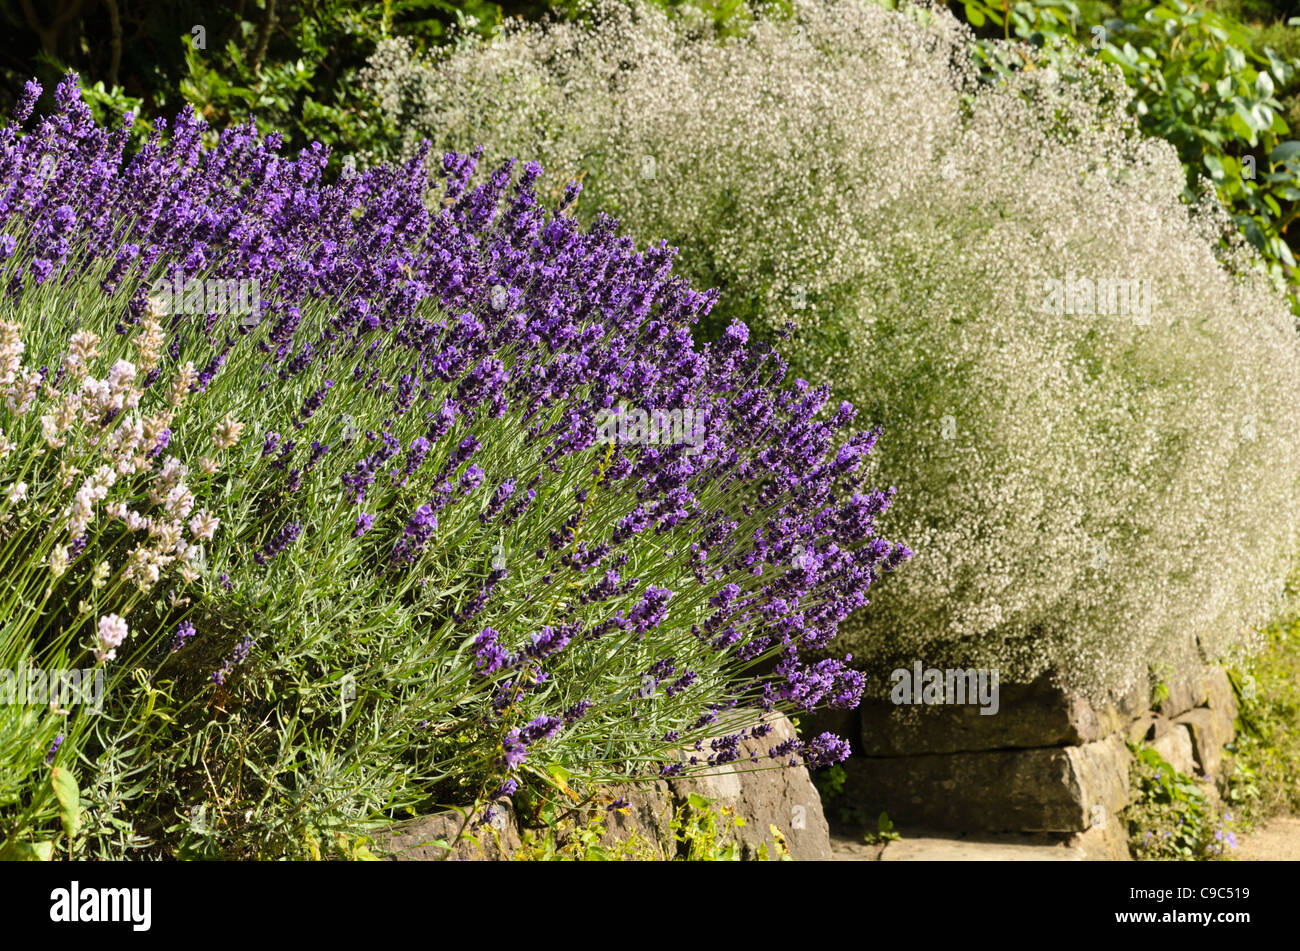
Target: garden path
point(938, 849)
point(1278, 840)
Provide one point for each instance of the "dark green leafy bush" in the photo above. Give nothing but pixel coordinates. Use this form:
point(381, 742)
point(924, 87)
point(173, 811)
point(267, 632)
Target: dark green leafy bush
point(1201, 80)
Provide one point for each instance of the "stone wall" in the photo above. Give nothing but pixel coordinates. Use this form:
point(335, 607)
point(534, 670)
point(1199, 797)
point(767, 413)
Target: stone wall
point(763, 794)
point(1047, 762)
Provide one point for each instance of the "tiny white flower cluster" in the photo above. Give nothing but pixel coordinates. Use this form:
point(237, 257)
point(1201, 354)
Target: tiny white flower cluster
point(92, 491)
point(226, 433)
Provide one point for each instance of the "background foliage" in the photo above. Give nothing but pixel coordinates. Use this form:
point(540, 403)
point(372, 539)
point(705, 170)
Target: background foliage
point(1224, 92)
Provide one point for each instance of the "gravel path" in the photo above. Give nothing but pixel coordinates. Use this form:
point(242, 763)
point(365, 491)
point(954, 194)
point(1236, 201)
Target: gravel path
point(939, 848)
point(1277, 841)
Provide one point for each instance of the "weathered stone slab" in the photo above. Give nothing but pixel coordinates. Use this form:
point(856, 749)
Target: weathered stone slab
point(434, 838)
point(766, 794)
point(1029, 716)
point(1209, 731)
point(1106, 841)
point(1219, 695)
point(1047, 789)
point(1176, 748)
point(645, 821)
point(1186, 691)
point(1149, 726)
point(1099, 777)
point(763, 793)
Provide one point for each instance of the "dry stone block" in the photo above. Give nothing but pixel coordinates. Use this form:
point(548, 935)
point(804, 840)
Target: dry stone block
point(430, 839)
point(1149, 726)
point(1098, 778)
point(1209, 731)
point(1039, 714)
point(646, 819)
point(1186, 691)
point(1175, 747)
point(1106, 841)
point(1219, 695)
point(1061, 789)
point(765, 794)
point(639, 830)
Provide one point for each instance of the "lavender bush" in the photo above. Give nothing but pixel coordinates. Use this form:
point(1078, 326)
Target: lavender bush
point(368, 548)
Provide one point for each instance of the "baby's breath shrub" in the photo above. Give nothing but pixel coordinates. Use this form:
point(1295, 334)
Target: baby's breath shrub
point(1092, 482)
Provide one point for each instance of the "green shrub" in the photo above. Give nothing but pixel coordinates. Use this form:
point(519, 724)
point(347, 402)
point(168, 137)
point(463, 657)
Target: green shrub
point(1171, 816)
point(1264, 757)
point(290, 63)
point(1217, 90)
point(348, 543)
